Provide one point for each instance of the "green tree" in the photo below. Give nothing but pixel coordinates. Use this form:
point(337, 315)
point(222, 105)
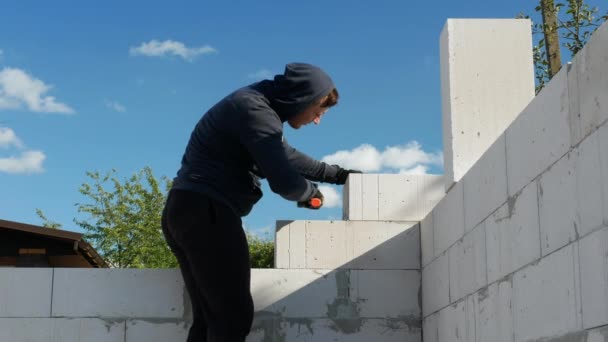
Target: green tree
point(124, 219)
point(261, 251)
point(123, 222)
point(46, 222)
point(574, 26)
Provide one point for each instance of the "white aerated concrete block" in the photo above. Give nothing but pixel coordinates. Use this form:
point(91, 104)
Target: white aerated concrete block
point(430, 328)
point(448, 219)
point(513, 234)
point(426, 239)
point(603, 132)
point(493, 312)
point(360, 199)
point(352, 196)
point(388, 293)
point(589, 85)
point(398, 197)
point(61, 330)
point(383, 245)
point(487, 79)
point(540, 135)
point(281, 245)
point(588, 189)
point(485, 185)
point(370, 197)
point(395, 197)
point(25, 292)
point(436, 285)
point(453, 323)
point(594, 278)
point(326, 244)
point(546, 298)
point(337, 294)
point(297, 293)
point(118, 293)
point(468, 264)
point(349, 244)
point(408, 197)
point(598, 335)
point(156, 331)
point(558, 205)
point(272, 329)
point(297, 244)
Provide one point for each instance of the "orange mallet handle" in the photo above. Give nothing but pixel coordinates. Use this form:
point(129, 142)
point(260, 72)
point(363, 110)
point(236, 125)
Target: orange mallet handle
point(316, 202)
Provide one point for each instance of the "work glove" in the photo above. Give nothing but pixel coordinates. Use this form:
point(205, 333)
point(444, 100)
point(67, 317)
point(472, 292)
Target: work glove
point(342, 175)
point(315, 202)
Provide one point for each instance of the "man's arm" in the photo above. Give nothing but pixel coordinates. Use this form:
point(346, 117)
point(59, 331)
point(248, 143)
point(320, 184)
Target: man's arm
point(308, 167)
point(315, 170)
point(261, 133)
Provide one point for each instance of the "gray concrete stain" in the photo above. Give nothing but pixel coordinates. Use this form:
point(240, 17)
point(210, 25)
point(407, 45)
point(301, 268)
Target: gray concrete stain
point(344, 312)
point(511, 201)
point(482, 294)
point(176, 321)
point(507, 278)
point(511, 204)
point(110, 322)
point(396, 323)
point(307, 322)
point(579, 336)
point(270, 324)
point(346, 326)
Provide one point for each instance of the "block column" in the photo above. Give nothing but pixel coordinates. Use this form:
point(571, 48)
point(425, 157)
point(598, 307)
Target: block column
point(487, 79)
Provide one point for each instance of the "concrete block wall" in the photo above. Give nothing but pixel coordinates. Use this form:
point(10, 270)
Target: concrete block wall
point(391, 197)
point(517, 250)
point(77, 305)
point(377, 248)
point(130, 305)
point(348, 244)
point(372, 258)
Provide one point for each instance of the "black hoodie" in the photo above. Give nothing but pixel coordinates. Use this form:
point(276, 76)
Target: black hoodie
point(240, 140)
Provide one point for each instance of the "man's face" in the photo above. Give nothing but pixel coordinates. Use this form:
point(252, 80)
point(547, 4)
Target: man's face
point(311, 114)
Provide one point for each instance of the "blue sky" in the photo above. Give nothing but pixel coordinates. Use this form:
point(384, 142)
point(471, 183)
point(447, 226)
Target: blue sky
point(120, 84)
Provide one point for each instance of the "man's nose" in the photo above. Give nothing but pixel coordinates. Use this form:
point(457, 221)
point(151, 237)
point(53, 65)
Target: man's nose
point(317, 120)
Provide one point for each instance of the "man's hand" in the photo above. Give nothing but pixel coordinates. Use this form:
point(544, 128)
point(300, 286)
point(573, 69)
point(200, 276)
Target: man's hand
point(315, 202)
point(342, 175)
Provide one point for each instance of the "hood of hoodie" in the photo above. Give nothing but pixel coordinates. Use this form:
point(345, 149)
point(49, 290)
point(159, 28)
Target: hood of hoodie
point(298, 87)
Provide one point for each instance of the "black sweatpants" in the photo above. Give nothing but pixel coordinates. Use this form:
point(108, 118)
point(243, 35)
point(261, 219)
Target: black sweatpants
point(210, 245)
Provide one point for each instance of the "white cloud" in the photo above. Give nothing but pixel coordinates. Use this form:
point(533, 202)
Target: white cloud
point(332, 199)
point(155, 48)
point(408, 158)
point(365, 158)
point(115, 106)
point(416, 170)
point(262, 74)
point(27, 162)
point(8, 138)
point(17, 88)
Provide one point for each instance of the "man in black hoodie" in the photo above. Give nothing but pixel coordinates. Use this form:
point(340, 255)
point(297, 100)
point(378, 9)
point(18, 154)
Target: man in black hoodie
point(237, 142)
